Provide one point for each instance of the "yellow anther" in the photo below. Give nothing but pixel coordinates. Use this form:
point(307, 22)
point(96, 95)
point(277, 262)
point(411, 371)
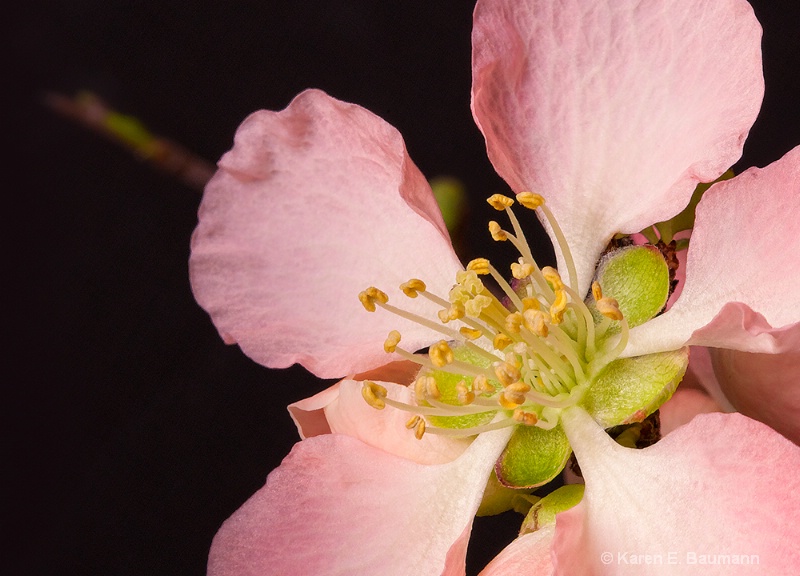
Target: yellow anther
point(500, 202)
point(455, 312)
point(530, 200)
point(481, 385)
point(478, 304)
point(419, 429)
point(525, 418)
point(441, 354)
point(597, 291)
point(506, 373)
point(501, 341)
point(465, 395)
point(535, 322)
point(519, 388)
point(468, 279)
point(413, 287)
point(513, 322)
point(609, 308)
point(374, 394)
point(426, 387)
point(390, 345)
point(470, 333)
point(510, 400)
point(553, 278)
point(413, 421)
point(557, 307)
point(497, 233)
point(371, 295)
point(531, 304)
point(479, 266)
point(512, 359)
point(520, 271)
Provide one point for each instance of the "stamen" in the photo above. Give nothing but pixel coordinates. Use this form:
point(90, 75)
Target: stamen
point(441, 354)
point(505, 286)
point(597, 291)
point(470, 333)
point(510, 399)
point(501, 341)
point(534, 321)
point(498, 234)
point(374, 394)
point(513, 322)
point(562, 243)
point(614, 352)
point(413, 287)
point(500, 202)
point(530, 200)
point(520, 271)
point(558, 306)
point(530, 303)
point(419, 429)
point(481, 385)
point(553, 278)
point(390, 345)
point(525, 418)
point(609, 308)
point(521, 244)
point(477, 305)
point(479, 266)
point(506, 373)
point(413, 421)
point(465, 395)
point(370, 296)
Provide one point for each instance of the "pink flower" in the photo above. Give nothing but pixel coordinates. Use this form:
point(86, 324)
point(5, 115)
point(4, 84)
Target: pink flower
point(613, 112)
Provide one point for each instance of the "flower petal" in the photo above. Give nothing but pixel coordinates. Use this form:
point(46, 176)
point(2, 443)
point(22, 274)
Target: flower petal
point(721, 485)
point(765, 387)
point(308, 414)
point(614, 110)
point(528, 555)
point(311, 206)
point(684, 405)
point(386, 429)
point(742, 268)
point(336, 506)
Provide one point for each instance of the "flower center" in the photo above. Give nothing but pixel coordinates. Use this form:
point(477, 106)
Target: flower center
point(517, 359)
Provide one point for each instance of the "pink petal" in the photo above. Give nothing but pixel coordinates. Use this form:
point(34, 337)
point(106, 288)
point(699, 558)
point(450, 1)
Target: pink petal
point(742, 268)
point(614, 110)
point(309, 415)
point(683, 406)
point(721, 485)
point(386, 429)
point(700, 376)
point(336, 506)
point(311, 206)
point(528, 555)
point(765, 387)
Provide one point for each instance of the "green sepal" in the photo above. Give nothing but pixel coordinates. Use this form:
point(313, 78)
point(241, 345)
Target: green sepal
point(447, 382)
point(533, 456)
point(543, 512)
point(498, 498)
point(637, 277)
point(630, 389)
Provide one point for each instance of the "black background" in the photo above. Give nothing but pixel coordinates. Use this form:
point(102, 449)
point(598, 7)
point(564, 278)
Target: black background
point(130, 430)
